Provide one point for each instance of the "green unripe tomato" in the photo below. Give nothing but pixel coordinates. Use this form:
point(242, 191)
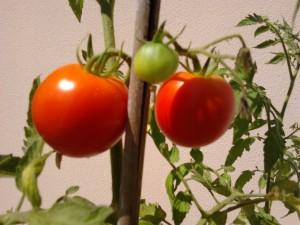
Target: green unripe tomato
point(155, 62)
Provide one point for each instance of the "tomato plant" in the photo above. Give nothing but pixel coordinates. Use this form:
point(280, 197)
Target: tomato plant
point(73, 111)
point(80, 114)
point(194, 111)
point(155, 62)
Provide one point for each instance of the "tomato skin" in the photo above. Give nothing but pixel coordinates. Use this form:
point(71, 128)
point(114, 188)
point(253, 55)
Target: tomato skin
point(79, 114)
point(194, 111)
point(155, 62)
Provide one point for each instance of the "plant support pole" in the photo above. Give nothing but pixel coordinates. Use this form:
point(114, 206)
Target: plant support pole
point(138, 104)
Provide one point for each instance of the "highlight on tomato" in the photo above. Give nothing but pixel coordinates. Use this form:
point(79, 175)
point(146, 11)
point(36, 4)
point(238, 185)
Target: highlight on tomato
point(155, 62)
point(194, 111)
point(79, 114)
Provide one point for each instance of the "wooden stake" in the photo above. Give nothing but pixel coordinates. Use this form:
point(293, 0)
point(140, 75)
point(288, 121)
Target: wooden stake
point(147, 16)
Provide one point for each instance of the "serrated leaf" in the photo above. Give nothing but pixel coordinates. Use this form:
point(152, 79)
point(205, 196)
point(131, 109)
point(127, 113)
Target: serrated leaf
point(197, 155)
point(31, 135)
point(243, 179)
point(222, 185)
point(77, 6)
point(267, 43)
point(171, 155)
point(251, 20)
point(203, 176)
point(274, 145)
point(31, 164)
point(279, 57)
point(240, 128)
point(8, 165)
point(151, 214)
point(218, 218)
point(181, 206)
point(260, 30)
point(257, 124)
point(75, 211)
point(237, 150)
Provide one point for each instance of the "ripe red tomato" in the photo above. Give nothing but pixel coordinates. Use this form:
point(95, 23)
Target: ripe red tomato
point(79, 114)
point(193, 111)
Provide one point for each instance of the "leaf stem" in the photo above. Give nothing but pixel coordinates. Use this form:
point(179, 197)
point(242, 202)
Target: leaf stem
point(21, 201)
point(230, 199)
point(225, 38)
point(242, 204)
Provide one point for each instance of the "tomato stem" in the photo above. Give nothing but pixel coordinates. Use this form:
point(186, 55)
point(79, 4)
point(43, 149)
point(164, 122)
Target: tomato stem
point(107, 13)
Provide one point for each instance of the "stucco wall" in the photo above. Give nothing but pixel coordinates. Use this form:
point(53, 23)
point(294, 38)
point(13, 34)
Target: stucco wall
point(37, 36)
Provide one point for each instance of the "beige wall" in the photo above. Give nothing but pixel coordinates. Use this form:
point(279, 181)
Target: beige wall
point(37, 36)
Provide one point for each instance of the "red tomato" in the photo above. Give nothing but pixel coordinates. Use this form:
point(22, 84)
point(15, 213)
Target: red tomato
point(79, 114)
point(193, 111)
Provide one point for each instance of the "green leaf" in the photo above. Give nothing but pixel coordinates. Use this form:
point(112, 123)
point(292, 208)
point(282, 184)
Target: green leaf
point(240, 128)
point(174, 179)
point(296, 140)
point(222, 185)
point(151, 214)
point(292, 201)
point(181, 206)
point(279, 57)
point(267, 43)
point(251, 20)
point(260, 30)
point(31, 135)
point(266, 218)
point(203, 176)
point(29, 184)
point(8, 165)
point(31, 164)
point(77, 6)
point(197, 155)
point(262, 183)
point(155, 133)
point(243, 179)
point(274, 145)
point(218, 218)
point(286, 186)
point(241, 219)
point(257, 124)
point(238, 149)
point(72, 190)
point(173, 154)
point(72, 211)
